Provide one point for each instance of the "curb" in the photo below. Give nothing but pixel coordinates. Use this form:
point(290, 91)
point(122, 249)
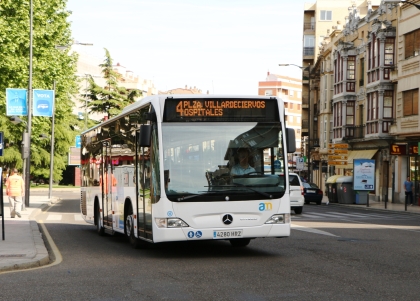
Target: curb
point(364, 207)
point(42, 246)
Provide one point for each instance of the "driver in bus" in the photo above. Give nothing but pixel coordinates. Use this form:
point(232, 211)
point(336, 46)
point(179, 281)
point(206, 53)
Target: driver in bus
point(242, 167)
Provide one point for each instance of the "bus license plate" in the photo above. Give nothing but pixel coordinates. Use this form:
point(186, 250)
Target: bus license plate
point(224, 234)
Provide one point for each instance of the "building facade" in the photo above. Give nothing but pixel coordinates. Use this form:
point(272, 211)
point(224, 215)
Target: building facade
point(368, 80)
point(290, 91)
point(319, 20)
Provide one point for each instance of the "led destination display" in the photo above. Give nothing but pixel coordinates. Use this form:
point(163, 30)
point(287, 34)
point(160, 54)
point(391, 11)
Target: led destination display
point(219, 109)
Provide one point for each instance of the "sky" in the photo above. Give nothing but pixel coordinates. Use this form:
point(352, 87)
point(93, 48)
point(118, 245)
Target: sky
point(220, 46)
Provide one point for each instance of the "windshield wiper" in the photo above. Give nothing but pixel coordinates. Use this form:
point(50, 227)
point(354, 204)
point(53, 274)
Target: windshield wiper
point(195, 195)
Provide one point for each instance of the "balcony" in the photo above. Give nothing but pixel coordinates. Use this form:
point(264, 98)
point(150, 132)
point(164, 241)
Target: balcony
point(308, 51)
point(305, 125)
point(308, 26)
point(355, 132)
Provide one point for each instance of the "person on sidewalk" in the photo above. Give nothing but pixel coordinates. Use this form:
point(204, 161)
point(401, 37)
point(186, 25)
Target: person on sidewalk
point(408, 186)
point(15, 189)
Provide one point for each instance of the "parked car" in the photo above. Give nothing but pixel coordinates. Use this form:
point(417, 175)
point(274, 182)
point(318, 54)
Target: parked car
point(296, 193)
point(312, 193)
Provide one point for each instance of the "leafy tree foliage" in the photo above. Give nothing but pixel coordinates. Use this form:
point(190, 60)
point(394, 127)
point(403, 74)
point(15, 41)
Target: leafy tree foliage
point(112, 98)
point(50, 29)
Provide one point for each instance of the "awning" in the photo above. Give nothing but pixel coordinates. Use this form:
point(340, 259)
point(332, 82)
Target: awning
point(357, 154)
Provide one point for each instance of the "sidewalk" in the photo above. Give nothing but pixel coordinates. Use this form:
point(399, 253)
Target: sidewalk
point(23, 246)
point(396, 207)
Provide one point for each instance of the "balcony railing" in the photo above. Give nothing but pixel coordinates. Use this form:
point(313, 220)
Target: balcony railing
point(309, 26)
point(308, 51)
point(355, 132)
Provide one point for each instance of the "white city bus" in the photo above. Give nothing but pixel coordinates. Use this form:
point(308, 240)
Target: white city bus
point(161, 170)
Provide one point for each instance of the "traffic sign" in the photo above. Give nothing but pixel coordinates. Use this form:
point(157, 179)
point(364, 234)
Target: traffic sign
point(338, 151)
point(337, 162)
point(78, 141)
point(341, 145)
point(338, 157)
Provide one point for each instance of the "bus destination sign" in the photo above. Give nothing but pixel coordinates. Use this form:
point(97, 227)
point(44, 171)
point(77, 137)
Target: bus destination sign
point(220, 108)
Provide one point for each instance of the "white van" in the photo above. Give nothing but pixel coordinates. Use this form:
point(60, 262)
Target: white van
point(296, 193)
point(297, 198)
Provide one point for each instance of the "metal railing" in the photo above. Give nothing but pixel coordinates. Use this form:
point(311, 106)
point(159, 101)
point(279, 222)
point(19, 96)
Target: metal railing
point(308, 50)
point(308, 26)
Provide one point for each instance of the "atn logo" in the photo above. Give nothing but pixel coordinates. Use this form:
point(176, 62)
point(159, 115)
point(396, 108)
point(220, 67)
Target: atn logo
point(265, 207)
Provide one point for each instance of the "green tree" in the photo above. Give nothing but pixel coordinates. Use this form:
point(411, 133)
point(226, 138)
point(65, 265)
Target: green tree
point(112, 98)
point(50, 29)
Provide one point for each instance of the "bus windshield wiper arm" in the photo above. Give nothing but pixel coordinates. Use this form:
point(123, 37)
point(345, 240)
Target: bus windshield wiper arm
point(195, 195)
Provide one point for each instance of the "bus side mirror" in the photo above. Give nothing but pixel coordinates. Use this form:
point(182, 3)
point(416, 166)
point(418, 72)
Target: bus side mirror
point(144, 136)
point(290, 140)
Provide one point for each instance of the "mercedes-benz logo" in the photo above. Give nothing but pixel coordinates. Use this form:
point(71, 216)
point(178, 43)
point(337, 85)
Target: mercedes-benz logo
point(227, 219)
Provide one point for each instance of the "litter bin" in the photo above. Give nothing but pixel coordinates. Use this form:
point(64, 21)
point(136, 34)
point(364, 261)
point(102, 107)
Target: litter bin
point(346, 193)
point(332, 189)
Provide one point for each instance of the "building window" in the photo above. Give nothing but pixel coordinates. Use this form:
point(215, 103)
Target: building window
point(298, 131)
point(388, 103)
point(325, 15)
point(299, 107)
point(268, 93)
point(389, 51)
point(291, 93)
point(351, 64)
point(411, 102)
point(290, 119)
point(291, 106)
point(286, 105)
point(350, 113)
point(412, 43)
point(372, 111)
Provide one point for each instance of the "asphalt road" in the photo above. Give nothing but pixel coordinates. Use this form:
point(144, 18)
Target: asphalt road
point(334, 253)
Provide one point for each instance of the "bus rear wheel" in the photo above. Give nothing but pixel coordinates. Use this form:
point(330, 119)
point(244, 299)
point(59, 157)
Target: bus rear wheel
point(240, 242)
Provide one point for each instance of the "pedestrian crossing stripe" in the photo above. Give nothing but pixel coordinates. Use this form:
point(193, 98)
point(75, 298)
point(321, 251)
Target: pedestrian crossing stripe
point(316, 215)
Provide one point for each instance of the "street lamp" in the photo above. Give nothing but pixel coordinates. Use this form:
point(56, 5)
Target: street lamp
point(308, 151)
point(26, 152)
point(399, 1)
point(52, 148)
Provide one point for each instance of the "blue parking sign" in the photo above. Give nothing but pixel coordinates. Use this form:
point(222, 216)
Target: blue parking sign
point(78, 141)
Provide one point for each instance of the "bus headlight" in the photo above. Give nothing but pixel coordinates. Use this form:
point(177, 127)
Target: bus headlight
point(279, 219)
point(170, 223)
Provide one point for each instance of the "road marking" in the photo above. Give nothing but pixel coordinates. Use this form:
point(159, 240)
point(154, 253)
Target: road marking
point(54, 217)
point(311, 230)
point(78, 218)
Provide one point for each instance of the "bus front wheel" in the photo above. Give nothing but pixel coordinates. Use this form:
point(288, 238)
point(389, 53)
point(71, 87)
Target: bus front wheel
point(99, 228)
point(129, 230)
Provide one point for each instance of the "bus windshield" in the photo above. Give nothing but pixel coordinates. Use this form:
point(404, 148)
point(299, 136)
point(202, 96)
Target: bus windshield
point(222, 161)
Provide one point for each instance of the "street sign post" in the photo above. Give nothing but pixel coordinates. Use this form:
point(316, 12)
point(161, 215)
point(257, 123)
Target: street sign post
point(1, 203)
point(337, 154)
point(299, 163)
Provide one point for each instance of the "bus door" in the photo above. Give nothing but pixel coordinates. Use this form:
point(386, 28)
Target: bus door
point(108, 183)
point(144, 204)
